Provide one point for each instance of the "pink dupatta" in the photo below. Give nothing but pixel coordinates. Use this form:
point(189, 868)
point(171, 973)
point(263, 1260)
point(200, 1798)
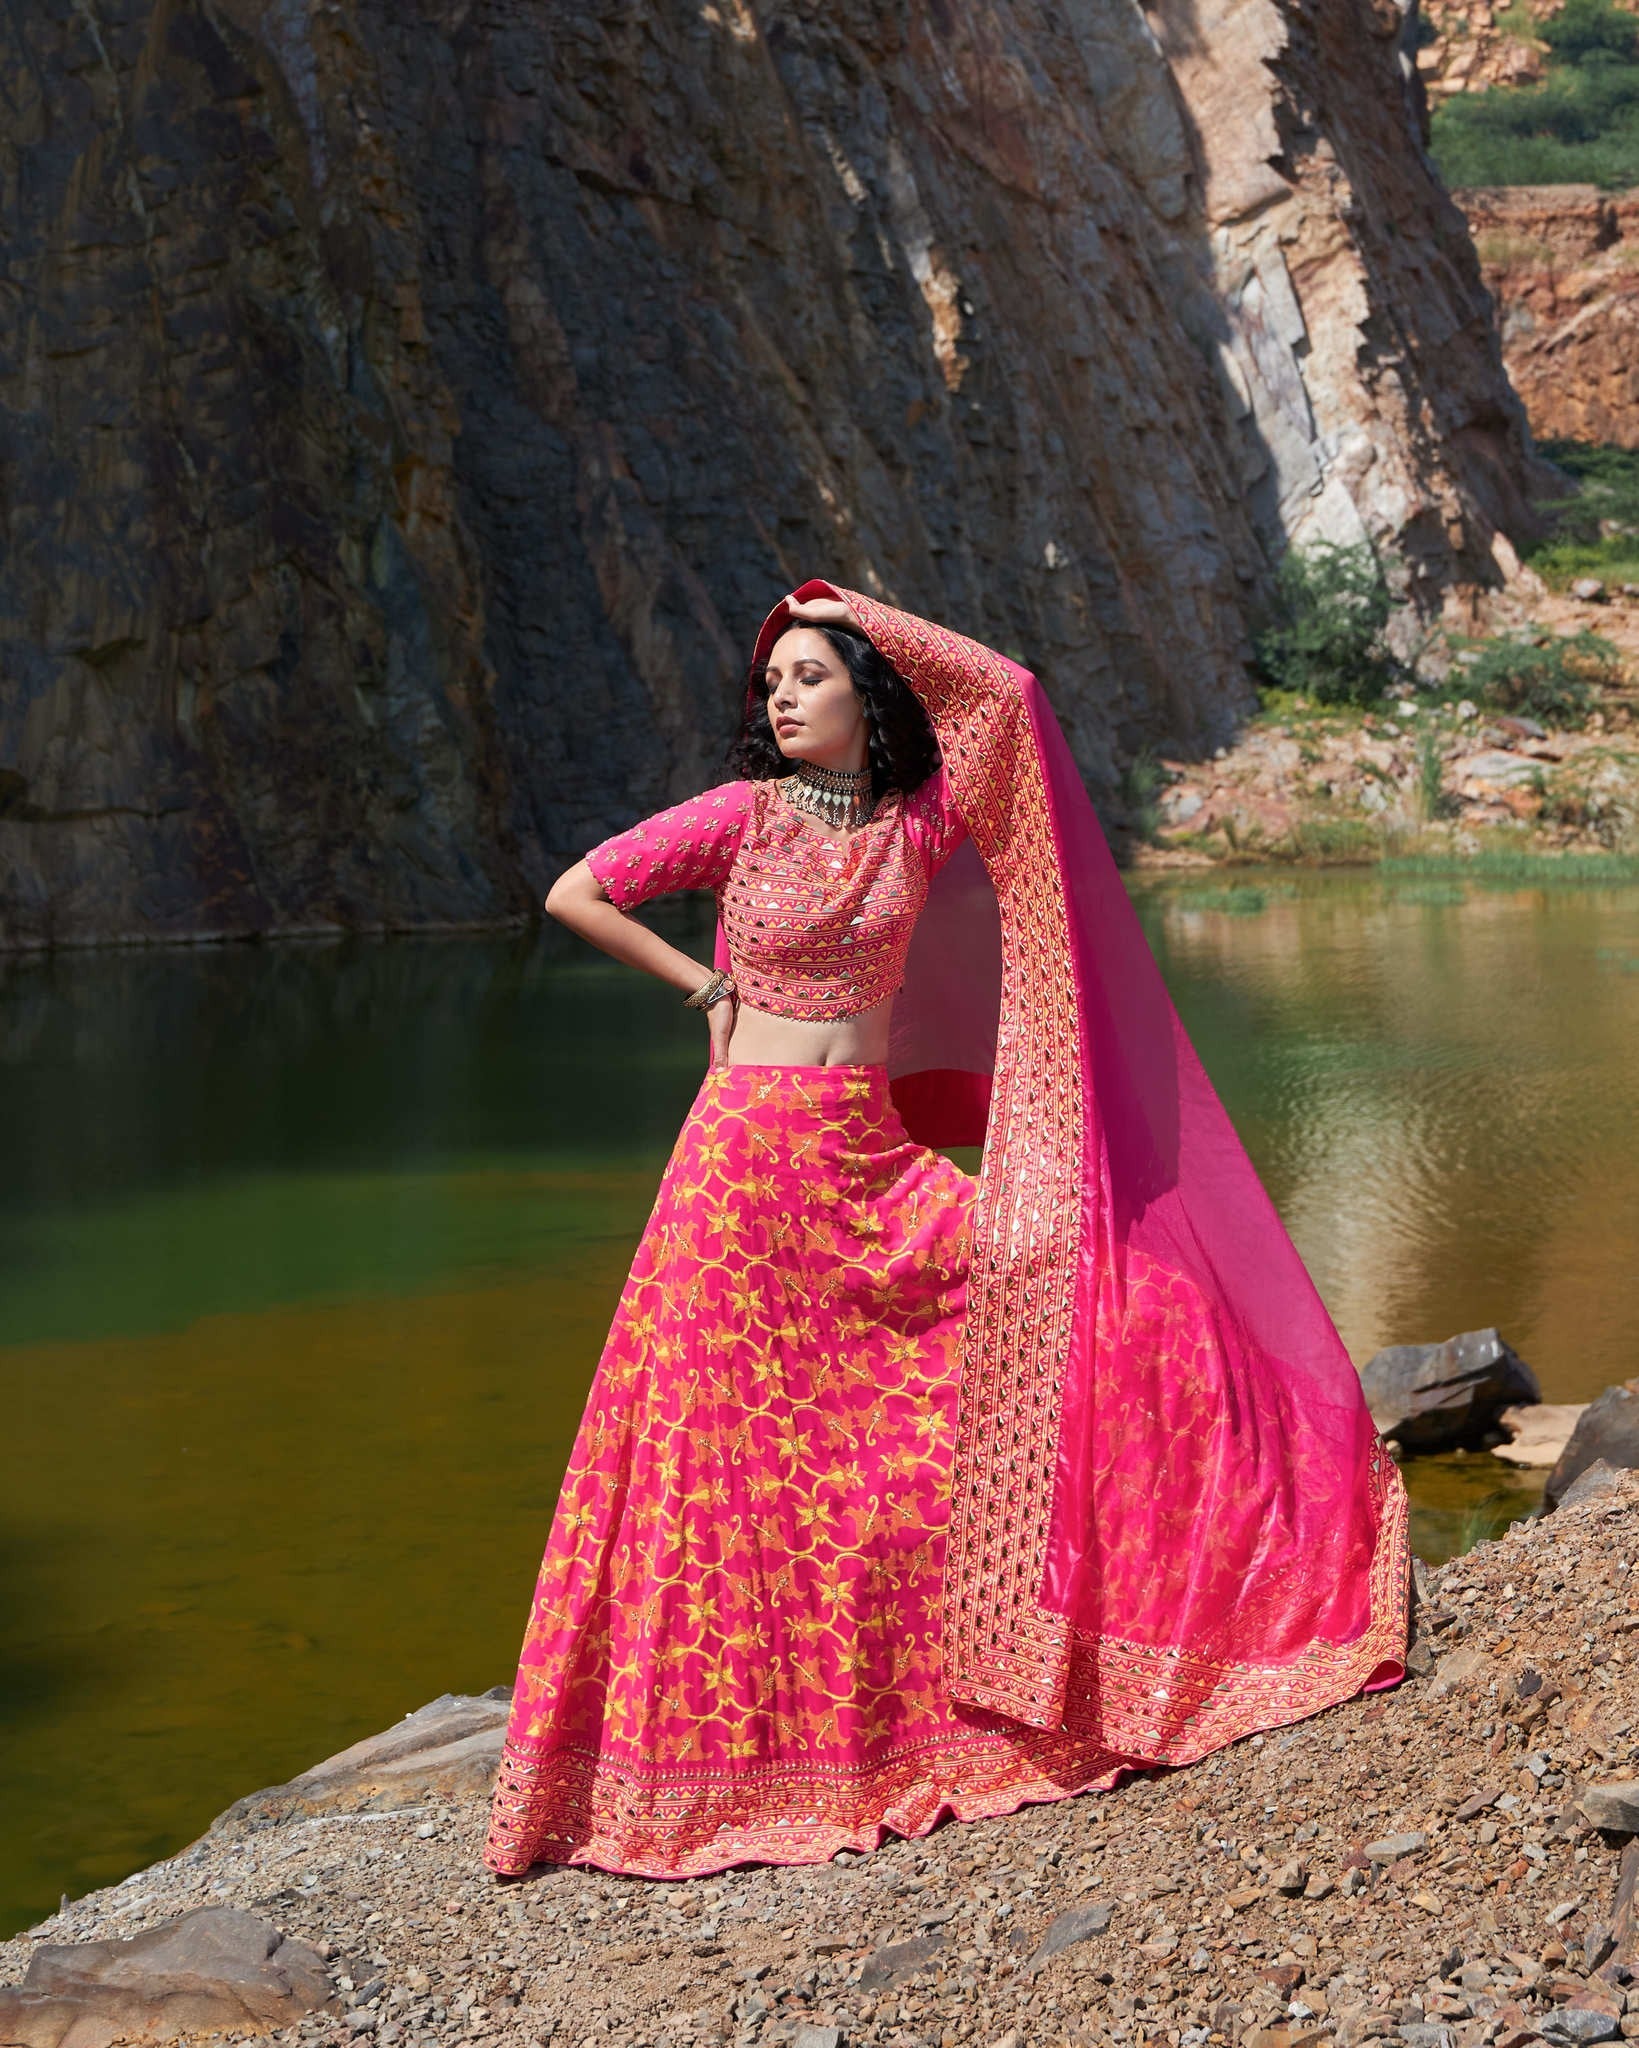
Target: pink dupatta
point(1170, 1509)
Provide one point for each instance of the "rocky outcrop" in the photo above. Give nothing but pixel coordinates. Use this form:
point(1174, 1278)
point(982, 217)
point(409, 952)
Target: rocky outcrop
point(209, 1971)
point(1562, 263)
point(1467, 49)
point(444, 1750)
point(1473, 45)
point(1433, 1397)
point(407, 414)
point(1559, 260)
point(1537, 1436)
point(1325, 783)
point(1608, 1432)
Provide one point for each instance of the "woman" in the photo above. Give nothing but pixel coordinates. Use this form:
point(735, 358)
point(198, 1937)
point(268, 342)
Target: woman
point(899, 1493)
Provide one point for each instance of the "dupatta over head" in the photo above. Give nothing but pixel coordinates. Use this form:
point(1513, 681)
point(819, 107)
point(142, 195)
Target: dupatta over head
point(1171, 1515)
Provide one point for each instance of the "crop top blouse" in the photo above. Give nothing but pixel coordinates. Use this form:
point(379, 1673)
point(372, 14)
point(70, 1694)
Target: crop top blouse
point(817, 927)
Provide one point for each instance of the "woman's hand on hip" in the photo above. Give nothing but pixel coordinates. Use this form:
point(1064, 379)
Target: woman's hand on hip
point(720, 1024)
point(822, 611)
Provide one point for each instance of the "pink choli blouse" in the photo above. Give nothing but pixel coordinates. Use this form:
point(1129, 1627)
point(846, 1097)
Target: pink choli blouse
point(817, 927)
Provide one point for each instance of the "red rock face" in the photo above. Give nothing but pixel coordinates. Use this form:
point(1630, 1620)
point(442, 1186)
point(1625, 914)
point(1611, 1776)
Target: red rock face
point(1562, 262)
point(406, 413)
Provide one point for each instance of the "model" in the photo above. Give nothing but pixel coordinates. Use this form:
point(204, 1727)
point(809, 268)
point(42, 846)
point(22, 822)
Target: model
point(903, 1493)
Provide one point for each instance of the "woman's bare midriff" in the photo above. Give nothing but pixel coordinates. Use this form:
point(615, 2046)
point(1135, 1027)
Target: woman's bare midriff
point(763, 1040)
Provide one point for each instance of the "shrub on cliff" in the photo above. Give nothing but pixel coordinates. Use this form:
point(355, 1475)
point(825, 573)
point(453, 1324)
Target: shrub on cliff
point(1578, 124)
point(1324, 635)
point(1555, 679)
point(1590, 31)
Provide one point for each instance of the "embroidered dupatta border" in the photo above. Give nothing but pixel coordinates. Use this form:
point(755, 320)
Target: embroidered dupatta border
point(1173, 1706)
point(1003, 1650)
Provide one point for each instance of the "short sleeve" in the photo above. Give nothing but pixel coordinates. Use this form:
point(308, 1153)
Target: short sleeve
point(932, 820)
point(691, 846)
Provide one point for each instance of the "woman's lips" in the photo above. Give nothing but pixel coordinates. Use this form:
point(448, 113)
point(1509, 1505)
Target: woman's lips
point(788, 725)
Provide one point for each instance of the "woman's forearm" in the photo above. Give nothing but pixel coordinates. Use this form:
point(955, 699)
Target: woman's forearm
point(577, 900)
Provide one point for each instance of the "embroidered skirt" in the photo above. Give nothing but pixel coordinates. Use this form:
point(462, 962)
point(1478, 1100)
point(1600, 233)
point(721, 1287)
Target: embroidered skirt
point(733, 1653)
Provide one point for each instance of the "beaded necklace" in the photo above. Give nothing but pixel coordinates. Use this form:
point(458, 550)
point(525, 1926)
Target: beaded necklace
point(840, 797)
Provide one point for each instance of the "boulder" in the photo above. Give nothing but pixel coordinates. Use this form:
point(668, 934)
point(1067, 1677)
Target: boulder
point(209, 1971)
point(1613, 1806)
point(448, 1749)
point(1538, 1434)
point(1492, 764)
point(1579, 2027)
point(1593, 1482)
point(1393, 1847)
point(1608, 1431)
point(1435, 1397)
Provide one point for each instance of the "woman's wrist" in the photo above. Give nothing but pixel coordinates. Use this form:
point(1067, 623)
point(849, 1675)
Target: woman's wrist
point(717, 987)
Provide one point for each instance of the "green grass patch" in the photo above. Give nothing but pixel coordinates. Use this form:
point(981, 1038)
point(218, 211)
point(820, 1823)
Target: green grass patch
point(1331, 842)
point(1503, 864)
point(1240, 899)
point(1594, 528)
point(1612, 560)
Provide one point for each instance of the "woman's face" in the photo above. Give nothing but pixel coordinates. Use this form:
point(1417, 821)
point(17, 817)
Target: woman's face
point(812, 704)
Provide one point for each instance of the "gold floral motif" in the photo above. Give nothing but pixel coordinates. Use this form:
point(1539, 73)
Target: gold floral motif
point(756, 1667)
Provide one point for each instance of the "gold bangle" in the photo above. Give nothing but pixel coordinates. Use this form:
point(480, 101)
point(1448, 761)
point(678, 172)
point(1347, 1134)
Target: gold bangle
point(707, 993)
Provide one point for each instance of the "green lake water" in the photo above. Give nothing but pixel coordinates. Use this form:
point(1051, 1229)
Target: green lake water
point(307, 1252)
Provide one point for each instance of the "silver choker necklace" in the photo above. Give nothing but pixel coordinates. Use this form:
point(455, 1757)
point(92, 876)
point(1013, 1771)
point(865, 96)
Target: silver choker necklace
point(840, 796)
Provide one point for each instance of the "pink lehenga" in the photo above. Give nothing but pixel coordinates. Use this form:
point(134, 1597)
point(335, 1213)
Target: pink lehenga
point(903, 1494)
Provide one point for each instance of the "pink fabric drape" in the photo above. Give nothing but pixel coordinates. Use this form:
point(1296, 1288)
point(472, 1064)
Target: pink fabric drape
point(1169, 1501)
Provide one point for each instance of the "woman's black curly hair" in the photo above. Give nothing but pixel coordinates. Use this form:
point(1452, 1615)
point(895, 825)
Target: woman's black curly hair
point(903, 750)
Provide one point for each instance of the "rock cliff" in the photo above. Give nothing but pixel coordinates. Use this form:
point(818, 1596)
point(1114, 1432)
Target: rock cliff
point(407, 411)
point(1562, 262)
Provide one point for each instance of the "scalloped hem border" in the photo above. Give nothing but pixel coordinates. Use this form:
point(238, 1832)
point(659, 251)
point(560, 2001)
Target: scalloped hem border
point(812, 1842)
point(1276, 1698)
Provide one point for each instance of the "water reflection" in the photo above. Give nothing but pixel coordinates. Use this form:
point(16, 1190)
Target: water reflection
point(1439, 1086)
point(308, 1253)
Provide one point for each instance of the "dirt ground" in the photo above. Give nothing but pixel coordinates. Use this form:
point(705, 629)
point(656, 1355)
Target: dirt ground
point(1260, 1898)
